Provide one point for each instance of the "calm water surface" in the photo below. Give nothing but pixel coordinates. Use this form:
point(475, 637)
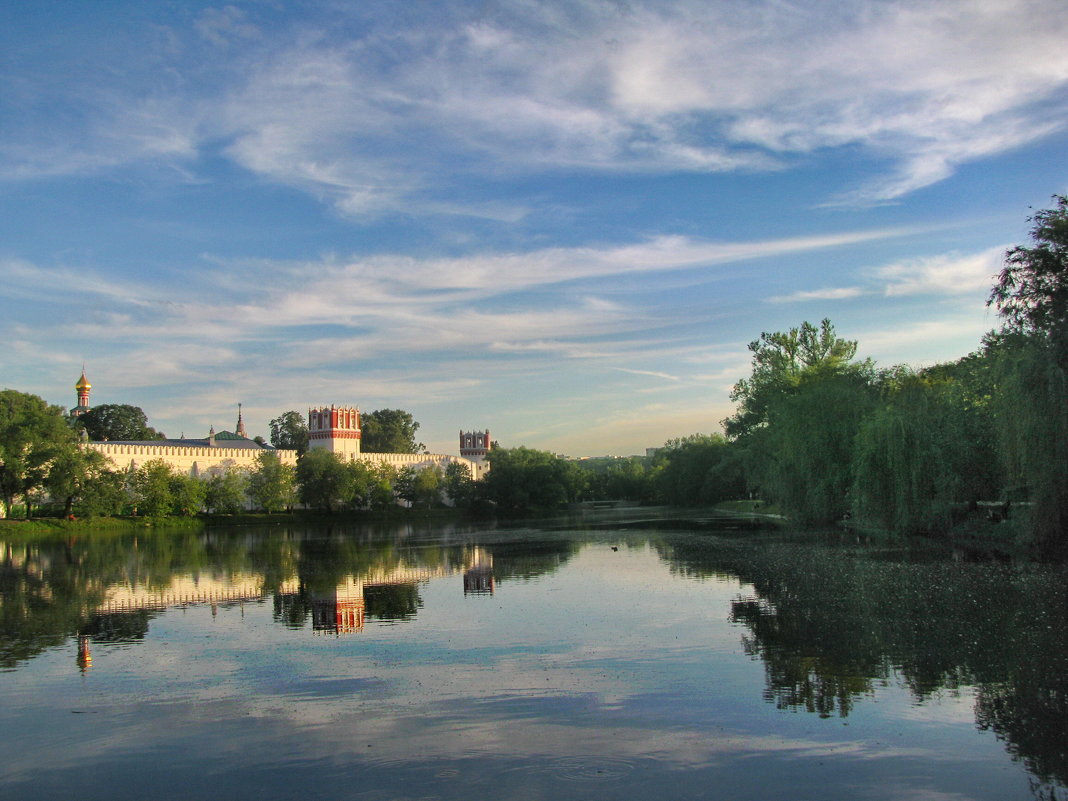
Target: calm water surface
point(620, 658)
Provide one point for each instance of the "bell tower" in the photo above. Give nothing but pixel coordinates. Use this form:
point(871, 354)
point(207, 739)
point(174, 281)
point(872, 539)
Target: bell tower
point(82, 388)
point(336, 429)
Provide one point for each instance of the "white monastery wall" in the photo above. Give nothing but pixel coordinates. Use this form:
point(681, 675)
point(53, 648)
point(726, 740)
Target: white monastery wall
point(194, 461)
point(203, 462)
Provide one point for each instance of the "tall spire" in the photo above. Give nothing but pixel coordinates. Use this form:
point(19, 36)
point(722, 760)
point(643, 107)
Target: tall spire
point(240, 424)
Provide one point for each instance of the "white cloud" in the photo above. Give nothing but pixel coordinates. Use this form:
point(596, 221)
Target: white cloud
point(948, 274)
point(650, 373)
point(373, 118)
point(931, 341)
point(839, 293)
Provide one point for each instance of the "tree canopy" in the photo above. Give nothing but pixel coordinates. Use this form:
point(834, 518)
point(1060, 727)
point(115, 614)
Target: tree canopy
point(289, 431)
point(521, 479)
point(33, 434)
point(779, 359)
point(1031, 292)
point(118, 422)
point(389, 431)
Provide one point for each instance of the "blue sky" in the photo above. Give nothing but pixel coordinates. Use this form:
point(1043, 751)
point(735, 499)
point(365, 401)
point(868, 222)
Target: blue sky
point(562, 221)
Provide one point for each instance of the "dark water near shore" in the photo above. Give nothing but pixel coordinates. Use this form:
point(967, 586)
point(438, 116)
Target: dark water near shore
point(597, 658)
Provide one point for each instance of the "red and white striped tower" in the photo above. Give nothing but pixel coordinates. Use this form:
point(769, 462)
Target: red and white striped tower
point(336, 429)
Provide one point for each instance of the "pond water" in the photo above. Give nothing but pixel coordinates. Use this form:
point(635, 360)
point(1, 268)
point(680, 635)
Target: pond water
point(625, 657)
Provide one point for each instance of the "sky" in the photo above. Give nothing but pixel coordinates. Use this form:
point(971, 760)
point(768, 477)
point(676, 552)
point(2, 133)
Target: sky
point(561, 221)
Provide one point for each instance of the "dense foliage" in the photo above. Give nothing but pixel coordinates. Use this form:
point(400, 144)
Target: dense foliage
point(117, 422)
point(33, 435)
point(389, 431)
point(289, 431)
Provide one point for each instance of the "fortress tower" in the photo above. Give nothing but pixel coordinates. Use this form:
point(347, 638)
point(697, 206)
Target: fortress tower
point(474, 445)
point(336, 429)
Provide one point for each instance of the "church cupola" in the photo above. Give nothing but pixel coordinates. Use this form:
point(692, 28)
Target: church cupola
point(240, 430)
point(82, 388)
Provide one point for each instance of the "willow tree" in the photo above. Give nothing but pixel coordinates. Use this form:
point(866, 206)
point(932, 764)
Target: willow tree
point(910, 458)
point(797, 414)
point(1032, 421)
point(807, 447)
point(1031, 295)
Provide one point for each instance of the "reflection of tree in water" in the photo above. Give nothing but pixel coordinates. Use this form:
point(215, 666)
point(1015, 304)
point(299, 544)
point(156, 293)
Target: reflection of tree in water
point(814, 682)
point(122, 627)
point(832, 623)
point(392, 601)
point(529, 559)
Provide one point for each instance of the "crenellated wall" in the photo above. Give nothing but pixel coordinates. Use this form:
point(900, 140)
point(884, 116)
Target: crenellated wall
point(201, 462)
point(195, 461)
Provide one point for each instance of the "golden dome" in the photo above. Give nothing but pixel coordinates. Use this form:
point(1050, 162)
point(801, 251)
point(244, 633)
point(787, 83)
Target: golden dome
point(83, 383)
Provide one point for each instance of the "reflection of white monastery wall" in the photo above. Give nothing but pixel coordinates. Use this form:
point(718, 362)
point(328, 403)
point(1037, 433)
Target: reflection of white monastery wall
point(201, 589)
point(191, 589)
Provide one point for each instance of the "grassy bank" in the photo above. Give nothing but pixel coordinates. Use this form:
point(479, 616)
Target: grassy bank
point(44, 526)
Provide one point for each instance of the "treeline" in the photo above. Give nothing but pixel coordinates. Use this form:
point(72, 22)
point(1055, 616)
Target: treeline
point(827, 436)
point(818, 432)
point(80, 482)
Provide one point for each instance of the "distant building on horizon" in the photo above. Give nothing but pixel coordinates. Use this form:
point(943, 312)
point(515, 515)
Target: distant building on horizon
point(334, 428)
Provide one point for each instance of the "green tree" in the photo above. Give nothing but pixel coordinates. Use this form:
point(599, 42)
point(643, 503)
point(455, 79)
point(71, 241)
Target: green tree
point(323, 480)
point(912, 457)
point(226, 491)
point(117, 422)
point(389, 431)
point(1031, 293)
point(187, 493)
point(289, 431)
point(420, 486)
point(272, 484)
point(803, 459)
point(72, 474)
point(458, 485)
point(153, 488)
point(383, 486)
point(32, 435)
point(700, 470)
point(104, 494)
point(522, 479)
point(361, 483)
point(1032, 423)
point(779, 361)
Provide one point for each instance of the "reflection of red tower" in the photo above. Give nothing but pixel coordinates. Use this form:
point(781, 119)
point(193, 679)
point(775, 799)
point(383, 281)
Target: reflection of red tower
point(338, 615)
point(474, 445)
point(85, 659)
